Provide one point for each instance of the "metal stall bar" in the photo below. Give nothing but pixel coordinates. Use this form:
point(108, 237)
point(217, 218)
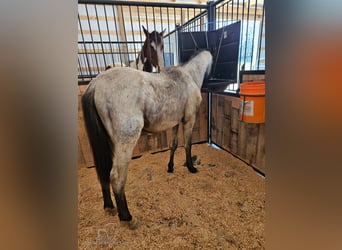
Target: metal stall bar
point(161, 18)
point(185, 27)
point(92, 39)
point(183, 15)
point(227, 11)
point(86, 53)
point(169, 37)
point(148, 4)
point(130, 14)
point(154, 18)
point(79, 67)
point(117, 36)
point(98, 25)
point(146, 18)
point(232, 11)
point(242, 67)
point(246, 43)
point(243, 11)
point(138, 11)
point(211, 16)
point(162, 28)
point(126, 58)
point(254, 22)
point(261, 34)
point(109, 39)
point(102, 41)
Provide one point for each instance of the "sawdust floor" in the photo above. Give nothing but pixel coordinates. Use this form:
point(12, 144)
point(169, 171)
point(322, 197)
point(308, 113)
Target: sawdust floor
point(220, 207)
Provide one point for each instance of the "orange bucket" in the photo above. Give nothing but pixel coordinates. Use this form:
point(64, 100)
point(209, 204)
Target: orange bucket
point(252, 98)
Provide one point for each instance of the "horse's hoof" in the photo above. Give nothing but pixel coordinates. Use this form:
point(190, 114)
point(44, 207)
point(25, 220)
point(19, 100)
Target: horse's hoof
point(193, 170)
point(132, 224)
point(170, 170)
point(110, 211)
point(193, 159)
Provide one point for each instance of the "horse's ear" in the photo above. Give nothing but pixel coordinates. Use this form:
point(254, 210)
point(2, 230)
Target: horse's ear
point(162, 33)
point(145, 31)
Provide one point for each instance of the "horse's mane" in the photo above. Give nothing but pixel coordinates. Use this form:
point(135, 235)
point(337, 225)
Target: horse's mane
point(188, 63)
point(198, 51)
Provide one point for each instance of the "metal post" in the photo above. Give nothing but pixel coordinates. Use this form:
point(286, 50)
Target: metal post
point(211, 15)
point(211, 7)
point(209, 116)
point(179, 42)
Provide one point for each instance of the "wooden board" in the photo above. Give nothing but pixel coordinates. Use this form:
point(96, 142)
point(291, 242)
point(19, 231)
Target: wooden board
point(83, 142)
point(253, 78)
point(245, 140)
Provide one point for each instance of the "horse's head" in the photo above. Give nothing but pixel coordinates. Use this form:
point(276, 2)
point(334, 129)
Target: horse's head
point(152, 51)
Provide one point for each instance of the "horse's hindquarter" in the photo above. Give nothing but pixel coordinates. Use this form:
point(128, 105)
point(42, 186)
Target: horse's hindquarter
point(160, 101)
point(118, 99)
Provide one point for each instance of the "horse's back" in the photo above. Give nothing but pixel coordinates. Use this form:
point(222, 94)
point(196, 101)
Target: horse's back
point(172, 83)
point(119, 78)
point(173, 80)
point(129, 79)
point(117, 89)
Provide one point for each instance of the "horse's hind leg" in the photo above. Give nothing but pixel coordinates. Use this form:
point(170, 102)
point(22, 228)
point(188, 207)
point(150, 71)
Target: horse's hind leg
point(188, 125)
point(126, 139)
point(107, 200)
point(118, 178)
point(173, 148)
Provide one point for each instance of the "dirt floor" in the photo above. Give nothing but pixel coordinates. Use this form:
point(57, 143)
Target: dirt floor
point(220, 207)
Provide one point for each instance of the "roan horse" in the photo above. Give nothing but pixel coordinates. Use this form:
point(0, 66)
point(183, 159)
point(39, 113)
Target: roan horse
point(121, 102)
point(151, 56)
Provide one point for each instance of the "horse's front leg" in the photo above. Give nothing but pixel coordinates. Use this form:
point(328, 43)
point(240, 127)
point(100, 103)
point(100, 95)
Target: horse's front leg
point(173, 148)
point(188, 126)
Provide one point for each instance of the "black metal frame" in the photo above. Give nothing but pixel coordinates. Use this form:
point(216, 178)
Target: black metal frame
point(100, 49)
point(99, 39)
point(251, 72)
point(223, 43)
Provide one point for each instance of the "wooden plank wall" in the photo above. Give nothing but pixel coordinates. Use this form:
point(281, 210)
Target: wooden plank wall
point(245, 140)
point(148, 142)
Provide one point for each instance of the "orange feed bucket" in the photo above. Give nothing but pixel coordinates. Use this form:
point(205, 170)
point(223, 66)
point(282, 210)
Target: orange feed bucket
point(252, 98)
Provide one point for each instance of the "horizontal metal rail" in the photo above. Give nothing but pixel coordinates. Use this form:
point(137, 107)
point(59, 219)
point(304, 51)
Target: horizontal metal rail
point(110, 32)
point(147, 4)
point(252, 39)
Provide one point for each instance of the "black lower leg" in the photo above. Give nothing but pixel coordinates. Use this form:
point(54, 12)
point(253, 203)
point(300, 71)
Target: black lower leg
point(173, 149)
point(107, 200)
point(122, 207)
point(172, 154)
point(189, 162)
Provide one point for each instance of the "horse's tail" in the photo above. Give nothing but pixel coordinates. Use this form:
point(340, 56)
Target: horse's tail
point(99, 139)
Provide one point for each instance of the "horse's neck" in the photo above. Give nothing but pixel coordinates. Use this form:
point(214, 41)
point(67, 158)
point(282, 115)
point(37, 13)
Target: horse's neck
point(160, 59)
point(197, 71)
point(148, 67)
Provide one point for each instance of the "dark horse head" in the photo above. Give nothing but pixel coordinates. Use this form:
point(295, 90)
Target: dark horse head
point(151, 54)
